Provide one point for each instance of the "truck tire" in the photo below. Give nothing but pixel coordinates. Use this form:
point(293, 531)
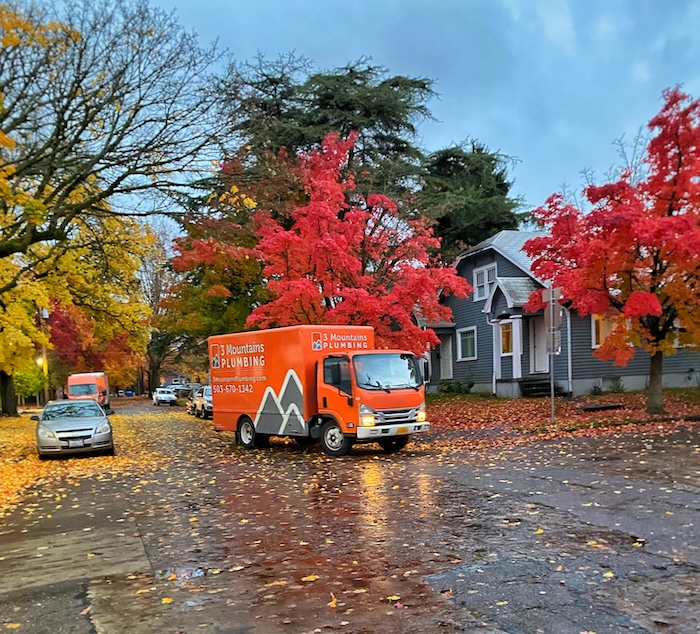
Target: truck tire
point(333, 441)
point(394, 444)
point(245, 434)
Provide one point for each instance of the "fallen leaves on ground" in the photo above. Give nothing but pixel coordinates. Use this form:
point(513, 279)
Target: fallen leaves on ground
point(21, 468)
point(476, 420)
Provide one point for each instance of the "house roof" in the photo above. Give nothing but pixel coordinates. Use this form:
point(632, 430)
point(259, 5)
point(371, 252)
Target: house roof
point(516, 290)
point(509, 244)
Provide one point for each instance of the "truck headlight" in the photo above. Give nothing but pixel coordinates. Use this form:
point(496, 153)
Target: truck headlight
point(367, 416)
point(420, 414)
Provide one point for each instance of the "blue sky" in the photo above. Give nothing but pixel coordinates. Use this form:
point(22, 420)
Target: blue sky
point(552, 83)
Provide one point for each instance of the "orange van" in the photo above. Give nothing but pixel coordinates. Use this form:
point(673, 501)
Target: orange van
point(316, 383)
point(89, 385)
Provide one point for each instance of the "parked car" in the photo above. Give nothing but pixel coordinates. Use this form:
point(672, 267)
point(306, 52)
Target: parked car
point(164, 395)
point(70, 427)
point(203, 407)
point(189, 401)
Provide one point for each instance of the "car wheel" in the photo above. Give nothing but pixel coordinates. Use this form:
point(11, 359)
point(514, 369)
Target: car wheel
point(157, 403)
point(392, 445)
point(333, 441)
point(172, 403)
point(43, 456)
point(110, 451)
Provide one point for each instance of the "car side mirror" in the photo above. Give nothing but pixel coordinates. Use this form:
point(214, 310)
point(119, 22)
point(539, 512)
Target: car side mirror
point(35, 417)
point(109, 411)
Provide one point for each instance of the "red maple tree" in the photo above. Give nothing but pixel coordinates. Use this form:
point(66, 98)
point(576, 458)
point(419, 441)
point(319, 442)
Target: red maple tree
point(347, 259)
point(635, 256)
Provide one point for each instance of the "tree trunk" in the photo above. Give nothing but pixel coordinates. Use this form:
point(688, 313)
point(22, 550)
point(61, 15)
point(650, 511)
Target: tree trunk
point(153, 377)
point(7, 394)
point(655, 396)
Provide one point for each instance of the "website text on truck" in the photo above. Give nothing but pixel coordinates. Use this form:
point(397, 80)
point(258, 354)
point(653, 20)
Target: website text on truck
point(316, 383)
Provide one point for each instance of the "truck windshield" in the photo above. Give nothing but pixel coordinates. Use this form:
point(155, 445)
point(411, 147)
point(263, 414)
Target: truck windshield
point(387, 371)
point(82, 389)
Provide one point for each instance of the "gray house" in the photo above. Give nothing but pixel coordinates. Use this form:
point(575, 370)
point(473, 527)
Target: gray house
point(493, 342)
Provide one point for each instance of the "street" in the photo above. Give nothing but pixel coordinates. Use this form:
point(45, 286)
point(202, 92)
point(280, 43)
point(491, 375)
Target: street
point(595, 534)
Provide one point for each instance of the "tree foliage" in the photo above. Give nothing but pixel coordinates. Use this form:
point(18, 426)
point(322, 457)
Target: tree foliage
point(467, 191)
point(284, 104)
point(634, 257)
point(351, 263)
point(101, 101)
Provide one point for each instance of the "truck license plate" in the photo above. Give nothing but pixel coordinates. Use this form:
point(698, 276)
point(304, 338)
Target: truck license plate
point(402, 430)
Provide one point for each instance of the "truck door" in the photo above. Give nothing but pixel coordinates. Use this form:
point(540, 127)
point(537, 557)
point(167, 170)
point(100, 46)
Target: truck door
point(335, 391)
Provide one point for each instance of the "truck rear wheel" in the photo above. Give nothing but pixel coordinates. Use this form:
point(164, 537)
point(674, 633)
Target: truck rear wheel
point(247, 437)
point(333, 441)
point(391, 445)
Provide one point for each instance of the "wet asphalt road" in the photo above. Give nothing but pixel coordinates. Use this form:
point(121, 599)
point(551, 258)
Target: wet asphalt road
point(587, 535)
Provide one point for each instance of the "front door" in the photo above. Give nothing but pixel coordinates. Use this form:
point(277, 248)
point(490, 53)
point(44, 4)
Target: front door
point(445, 356)
point(334, 390)
point(539, 357)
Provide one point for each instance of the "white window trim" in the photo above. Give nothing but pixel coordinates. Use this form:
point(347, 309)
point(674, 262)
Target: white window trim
point(594, 345)
point(512, 337)
point(459, 344)
point(485, 271)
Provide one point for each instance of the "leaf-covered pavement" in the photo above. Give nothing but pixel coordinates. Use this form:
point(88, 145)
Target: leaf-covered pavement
point(588, 534)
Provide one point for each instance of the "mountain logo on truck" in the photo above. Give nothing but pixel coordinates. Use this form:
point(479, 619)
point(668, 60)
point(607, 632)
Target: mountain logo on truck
point(316, 341)
point(215, 356)
point(281, 414)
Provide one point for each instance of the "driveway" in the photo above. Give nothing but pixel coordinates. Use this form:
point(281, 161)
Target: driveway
point(587, 535)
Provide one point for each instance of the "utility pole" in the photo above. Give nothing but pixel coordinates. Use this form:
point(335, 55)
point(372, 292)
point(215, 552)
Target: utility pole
point(44, 361)
point(552, 319)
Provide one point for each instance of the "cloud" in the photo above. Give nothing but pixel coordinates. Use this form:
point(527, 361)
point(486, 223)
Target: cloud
point(553, 18)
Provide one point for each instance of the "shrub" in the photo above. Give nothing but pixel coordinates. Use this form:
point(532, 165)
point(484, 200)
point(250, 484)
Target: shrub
point(455, 387)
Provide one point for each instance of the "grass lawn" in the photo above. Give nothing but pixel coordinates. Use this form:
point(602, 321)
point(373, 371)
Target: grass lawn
point(531, 417)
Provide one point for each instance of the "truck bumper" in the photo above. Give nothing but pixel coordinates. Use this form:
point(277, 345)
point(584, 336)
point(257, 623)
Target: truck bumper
point(384, 431)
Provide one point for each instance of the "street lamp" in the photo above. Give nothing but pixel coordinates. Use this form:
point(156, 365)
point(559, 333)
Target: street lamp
point(43, 363)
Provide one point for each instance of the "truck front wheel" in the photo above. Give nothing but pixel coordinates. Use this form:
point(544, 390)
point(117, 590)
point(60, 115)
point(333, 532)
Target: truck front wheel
point(333, 441)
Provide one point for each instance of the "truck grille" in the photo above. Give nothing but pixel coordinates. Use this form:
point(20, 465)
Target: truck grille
point(395, 416)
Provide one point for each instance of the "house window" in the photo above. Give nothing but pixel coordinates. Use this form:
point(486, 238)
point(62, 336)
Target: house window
point(466, 344)
point(506, 337)
point(601, 327)
point(484, 281)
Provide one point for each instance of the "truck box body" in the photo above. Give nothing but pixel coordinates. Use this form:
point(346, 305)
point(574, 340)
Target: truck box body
point(288, 381)
point(89, 385)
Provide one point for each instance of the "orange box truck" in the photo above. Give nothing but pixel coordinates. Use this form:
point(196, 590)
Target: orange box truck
point(89, 385)
point(316, 383)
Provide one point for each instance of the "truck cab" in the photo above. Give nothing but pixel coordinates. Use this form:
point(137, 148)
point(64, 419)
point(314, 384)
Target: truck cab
point(372, 396)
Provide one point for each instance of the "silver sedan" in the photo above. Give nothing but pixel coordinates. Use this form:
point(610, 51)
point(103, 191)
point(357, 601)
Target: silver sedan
point(70, 427)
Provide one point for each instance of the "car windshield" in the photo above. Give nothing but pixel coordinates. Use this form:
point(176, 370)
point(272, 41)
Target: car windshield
point(386, 371)
point(207, 391)
point(71, 410)
point(82, 389)
point(163, 390)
